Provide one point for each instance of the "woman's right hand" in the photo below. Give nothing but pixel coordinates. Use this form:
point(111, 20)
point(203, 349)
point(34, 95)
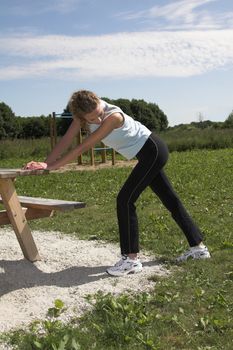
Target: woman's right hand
point(35, 165)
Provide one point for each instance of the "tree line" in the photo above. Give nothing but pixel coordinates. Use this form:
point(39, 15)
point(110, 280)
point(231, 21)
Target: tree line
point(149, 114)
point(12, 126)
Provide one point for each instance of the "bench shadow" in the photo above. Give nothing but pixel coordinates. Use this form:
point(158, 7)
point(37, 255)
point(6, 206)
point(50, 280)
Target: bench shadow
point(19, 274)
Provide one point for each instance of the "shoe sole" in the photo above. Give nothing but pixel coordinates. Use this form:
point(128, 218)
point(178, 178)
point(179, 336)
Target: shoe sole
point(131, 272)
point(194, 258)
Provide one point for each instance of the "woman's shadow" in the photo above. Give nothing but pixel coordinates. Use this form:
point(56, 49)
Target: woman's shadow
point(20, 274)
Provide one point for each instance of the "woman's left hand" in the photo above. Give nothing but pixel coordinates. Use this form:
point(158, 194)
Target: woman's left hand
point(35, 165)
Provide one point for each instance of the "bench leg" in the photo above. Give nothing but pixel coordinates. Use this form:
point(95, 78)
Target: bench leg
point(18, 220)
point(30, 214)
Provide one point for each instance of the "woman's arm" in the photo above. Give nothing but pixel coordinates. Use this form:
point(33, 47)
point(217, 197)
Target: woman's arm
point(64, 142)
point(108, 125)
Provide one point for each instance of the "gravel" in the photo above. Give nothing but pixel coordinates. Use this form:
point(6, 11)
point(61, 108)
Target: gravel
point(69, 270)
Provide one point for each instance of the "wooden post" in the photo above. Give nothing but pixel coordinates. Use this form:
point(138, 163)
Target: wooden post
point(80, 140)
point(51, 131)
point(92, 156)
point(18, 221)
point(103, 153)
point(113, 157)
point(55, 128)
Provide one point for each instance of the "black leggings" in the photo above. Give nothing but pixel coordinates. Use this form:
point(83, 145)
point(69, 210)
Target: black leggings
point(148, 172)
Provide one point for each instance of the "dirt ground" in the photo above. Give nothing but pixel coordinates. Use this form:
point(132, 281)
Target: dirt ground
point(69, 270)
point(98, 165)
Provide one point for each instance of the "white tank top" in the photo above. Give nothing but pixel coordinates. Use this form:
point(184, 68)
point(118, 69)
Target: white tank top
point(129, 138)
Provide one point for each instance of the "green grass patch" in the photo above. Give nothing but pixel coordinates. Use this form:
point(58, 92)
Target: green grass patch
point(177, 139)
point(189, 138)
point(190, 310)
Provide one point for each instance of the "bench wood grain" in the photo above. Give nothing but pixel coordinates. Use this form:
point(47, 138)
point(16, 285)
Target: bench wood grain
point(30, 214)
point(20, 209)
point(49, 204)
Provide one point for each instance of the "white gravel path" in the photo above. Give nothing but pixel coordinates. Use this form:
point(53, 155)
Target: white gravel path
point(69, 270)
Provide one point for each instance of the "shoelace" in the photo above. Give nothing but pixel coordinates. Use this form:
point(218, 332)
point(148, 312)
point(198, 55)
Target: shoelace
point(120, 262)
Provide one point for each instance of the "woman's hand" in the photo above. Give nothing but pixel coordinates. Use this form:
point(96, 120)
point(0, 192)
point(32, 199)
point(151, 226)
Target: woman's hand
point(35, 166)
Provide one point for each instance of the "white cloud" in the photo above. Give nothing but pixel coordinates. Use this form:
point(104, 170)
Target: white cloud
point(183, 14)
point(179, 9)
point(122, 55)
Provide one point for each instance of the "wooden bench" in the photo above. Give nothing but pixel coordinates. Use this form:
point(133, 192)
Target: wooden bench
point(19, 209)
point(35, 207)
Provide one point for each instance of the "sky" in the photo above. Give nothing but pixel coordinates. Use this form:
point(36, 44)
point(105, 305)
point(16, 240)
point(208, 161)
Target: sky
point(177, 54)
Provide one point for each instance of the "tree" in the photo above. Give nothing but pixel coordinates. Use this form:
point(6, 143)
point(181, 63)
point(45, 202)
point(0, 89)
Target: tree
point(147, 113)
point(34, 127)
point(159, 115)
point(8, 125)
point(124, 104)
point(229, 121)
point(200, 117)
point(144, 114)
point(63, 124)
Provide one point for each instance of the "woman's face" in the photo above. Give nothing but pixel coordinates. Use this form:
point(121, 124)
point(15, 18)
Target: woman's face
point(96, 116)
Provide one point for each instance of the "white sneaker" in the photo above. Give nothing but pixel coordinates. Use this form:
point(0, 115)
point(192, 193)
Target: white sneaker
point(125, 266)
point(197, 252)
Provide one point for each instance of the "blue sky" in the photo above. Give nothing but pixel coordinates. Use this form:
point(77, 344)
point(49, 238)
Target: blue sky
point(178, 54)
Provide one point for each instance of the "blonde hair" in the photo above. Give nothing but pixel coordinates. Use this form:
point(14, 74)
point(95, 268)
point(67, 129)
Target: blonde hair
point(82, 102)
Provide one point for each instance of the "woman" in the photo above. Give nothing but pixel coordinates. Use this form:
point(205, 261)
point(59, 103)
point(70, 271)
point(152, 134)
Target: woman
point(130, 138)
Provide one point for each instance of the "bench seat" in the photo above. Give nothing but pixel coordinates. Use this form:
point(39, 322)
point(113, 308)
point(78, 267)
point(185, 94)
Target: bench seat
point(36, 207)
point(50, 204)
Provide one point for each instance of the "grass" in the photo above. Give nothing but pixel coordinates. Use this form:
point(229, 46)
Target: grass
point(189, 138)
point(177, 139)
point(190, 310)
